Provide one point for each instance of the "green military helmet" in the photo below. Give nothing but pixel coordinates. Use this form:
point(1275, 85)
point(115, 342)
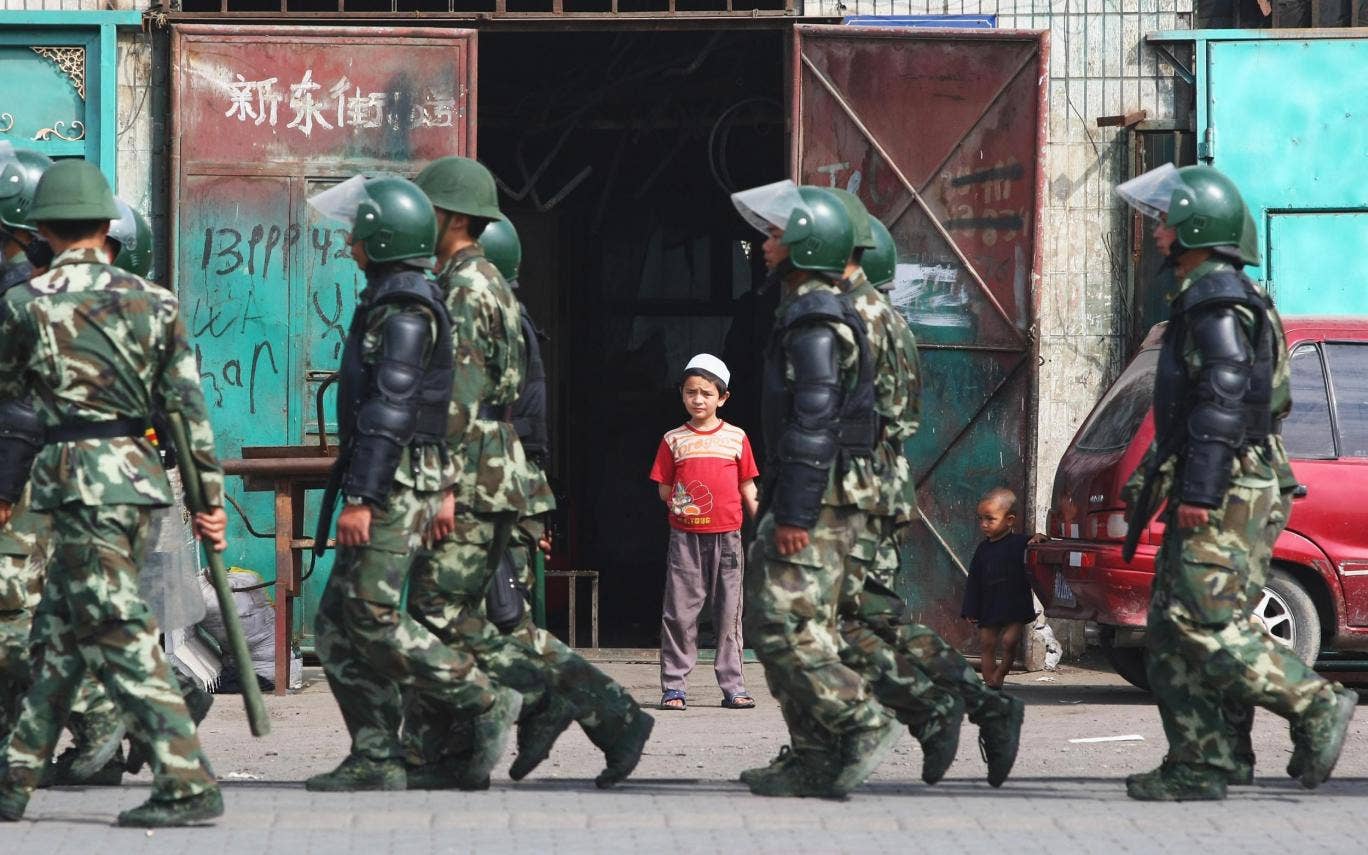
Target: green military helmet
point(1248, 249)
point(73, 190)
point(134, 237)
point(1206, 209)
point(881, 262)
point(395, 222)
point(461, 185)
point(859, 217)
point(819, 234)
point(503, 248)
point(19, 174)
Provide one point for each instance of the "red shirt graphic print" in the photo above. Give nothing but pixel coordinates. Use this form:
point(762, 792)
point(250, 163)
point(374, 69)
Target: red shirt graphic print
point(705, 470)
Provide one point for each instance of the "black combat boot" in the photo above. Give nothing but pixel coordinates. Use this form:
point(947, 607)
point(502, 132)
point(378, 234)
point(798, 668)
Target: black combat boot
point(1000, 738)
point(1318, 737)
point(162, 813)
point(358, 774)
point(939, 738)
point(1178, 782)
point(622, 750)
point(538, 731)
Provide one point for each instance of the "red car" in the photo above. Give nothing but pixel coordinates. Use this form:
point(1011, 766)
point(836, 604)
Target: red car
point(1316, 599)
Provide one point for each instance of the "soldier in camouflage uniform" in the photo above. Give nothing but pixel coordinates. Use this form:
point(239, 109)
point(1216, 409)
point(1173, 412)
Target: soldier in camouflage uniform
point(578, 691)
point(25, 544)
point(911, 669)
point(393, 469)
point(820, 434)
point(1221, 392)
point(99, 349)
point(496, 487)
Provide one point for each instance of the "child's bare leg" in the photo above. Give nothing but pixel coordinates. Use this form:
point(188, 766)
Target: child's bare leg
point(988, 642)
point(1011, 645)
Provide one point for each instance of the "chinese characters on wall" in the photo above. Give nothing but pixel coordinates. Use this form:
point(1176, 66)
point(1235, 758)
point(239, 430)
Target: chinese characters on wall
point(308, 105)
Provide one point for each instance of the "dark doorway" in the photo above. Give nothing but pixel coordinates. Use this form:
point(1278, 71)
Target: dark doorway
point(616, 166)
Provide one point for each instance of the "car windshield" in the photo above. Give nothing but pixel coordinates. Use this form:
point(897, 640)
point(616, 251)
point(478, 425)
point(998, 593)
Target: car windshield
point(1114, 421)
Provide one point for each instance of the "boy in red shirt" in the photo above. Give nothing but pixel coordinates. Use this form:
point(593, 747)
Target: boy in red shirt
point(705, 472)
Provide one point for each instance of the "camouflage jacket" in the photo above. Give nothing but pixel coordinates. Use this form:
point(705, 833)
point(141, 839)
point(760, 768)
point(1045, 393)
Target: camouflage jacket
point(854, 484)
point(493, 475)
point(897, 388)
point(94, 343)
point(20, 536)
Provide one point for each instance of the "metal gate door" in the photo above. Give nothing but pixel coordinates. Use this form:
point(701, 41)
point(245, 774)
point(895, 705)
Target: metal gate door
point(1295, 149)
point(939, 133)
point(263, 117)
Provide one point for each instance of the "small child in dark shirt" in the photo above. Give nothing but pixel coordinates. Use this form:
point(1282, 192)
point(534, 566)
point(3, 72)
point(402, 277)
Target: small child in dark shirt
point(997, 594)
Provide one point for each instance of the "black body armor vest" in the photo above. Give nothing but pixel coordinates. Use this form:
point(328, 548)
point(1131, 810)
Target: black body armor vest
point(434, 397)
point(857, 431)
point(1174, 391)
point(529, 411)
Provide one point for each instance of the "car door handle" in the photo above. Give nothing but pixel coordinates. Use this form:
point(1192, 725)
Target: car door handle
point(1300, 491)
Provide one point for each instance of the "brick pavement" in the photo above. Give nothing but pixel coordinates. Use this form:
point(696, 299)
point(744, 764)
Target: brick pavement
point(1063, 797)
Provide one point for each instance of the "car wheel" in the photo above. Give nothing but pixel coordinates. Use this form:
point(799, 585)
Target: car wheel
point(1289, 614)
point(1129, 662)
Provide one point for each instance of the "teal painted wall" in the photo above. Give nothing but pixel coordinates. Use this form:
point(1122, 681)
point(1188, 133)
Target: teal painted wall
point(1288, 120)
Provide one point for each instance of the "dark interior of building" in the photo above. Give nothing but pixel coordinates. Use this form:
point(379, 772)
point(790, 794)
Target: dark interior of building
point(616, 152)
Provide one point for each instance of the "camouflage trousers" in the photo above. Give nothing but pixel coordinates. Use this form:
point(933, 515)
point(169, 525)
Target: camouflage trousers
point(92, 620)
point(1210, 661)
point(602, 707)
point(371, 650)
point(21, 589)
point(792, 623)
point(872, 618)
point(448, 595)
point(881, 614)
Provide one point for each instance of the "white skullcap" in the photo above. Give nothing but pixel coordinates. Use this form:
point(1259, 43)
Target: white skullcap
point(712, 365)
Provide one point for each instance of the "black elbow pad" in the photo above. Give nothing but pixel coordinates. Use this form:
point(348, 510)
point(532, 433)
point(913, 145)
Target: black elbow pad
point(1209, 421)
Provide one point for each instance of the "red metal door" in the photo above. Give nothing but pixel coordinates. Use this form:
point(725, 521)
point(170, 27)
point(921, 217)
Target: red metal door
point(263, 117)
point(940, 134)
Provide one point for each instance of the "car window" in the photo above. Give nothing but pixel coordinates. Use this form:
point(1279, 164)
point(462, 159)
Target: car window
point(1118, 415)
point(1307, 431)
point(1349, 377)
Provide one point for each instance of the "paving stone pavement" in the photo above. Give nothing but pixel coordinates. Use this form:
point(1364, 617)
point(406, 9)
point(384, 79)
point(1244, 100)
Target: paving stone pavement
point(1063, 796)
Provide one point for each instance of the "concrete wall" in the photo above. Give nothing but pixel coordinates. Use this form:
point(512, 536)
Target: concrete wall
point(1099, 66)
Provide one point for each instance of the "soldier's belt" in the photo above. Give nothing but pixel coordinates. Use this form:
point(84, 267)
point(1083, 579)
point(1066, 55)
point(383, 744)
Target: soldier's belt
point(79, 430)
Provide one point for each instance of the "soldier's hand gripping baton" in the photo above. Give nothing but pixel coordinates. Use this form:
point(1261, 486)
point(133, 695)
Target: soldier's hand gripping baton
point(194, 497)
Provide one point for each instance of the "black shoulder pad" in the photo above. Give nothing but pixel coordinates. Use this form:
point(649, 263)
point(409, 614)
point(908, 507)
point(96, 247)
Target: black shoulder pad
point(1220, 286)
point(814, 306)
point(406, 339)
point(15, 274)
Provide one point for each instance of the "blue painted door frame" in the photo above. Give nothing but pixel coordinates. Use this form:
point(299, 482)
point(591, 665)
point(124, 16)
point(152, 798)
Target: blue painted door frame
point(1282, 112)
point(50, 95)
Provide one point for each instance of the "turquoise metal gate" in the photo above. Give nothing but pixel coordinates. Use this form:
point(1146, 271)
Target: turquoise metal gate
point(1282, 113)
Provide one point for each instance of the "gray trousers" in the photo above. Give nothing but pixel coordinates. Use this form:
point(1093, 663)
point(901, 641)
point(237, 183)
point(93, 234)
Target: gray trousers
point(702, 569)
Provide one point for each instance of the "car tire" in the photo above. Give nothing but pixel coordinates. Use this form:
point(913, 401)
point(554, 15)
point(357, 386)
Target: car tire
point(1129, 662)
point(1289, 614)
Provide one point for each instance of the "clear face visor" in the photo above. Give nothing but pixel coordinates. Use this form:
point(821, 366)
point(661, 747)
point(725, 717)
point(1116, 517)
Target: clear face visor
point(769, 206)
point(124, 230)
point(340, 201)
point(1151, 192)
